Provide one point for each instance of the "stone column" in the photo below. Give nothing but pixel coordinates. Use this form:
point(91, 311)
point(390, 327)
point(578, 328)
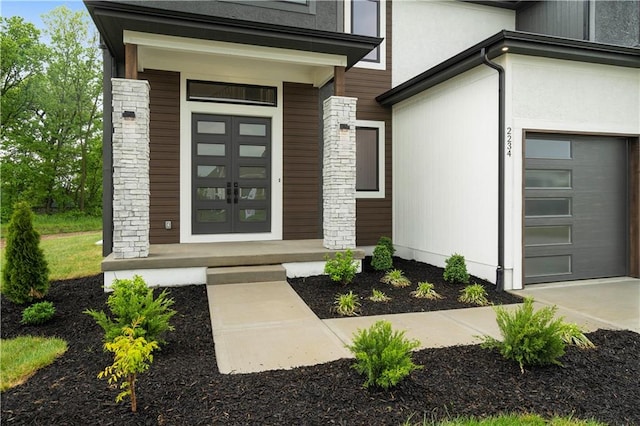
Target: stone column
point(130, 168)
point(339, 173)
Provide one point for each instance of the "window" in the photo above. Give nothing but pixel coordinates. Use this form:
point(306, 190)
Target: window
point(367, 17)
point(370, 159)
point(211, 91)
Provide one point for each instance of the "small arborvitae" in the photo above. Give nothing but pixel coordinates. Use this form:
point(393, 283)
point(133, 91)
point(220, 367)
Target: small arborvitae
point(25, 274)
point(381, 260)
point(455, 270)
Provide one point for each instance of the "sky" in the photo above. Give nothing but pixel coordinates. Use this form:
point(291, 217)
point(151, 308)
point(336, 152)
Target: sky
point(31, 10)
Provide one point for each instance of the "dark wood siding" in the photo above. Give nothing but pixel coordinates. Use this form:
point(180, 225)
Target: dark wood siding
point(164, 155)
point(373, 216)
point(301, 163)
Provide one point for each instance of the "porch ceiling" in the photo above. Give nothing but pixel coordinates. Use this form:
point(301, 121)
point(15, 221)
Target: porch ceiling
point(113, 18)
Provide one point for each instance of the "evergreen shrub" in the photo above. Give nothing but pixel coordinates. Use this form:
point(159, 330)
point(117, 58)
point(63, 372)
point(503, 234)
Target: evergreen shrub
point(25, 272)
point(386, 241)
point(38, 313)
point(381, 260)
point(455, 270)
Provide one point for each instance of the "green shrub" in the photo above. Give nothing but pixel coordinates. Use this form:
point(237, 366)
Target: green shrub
point(455, 270)
point(396, 278)
point(381, 260)
point(378, 296)
point(347, 304)
point(130, 300)
point(25, 273)
point(38, 313)
point(132, 355)
point(342, 268)
point(425, 290)
point(383, 355)
point(386, 241)
point(528, 337)
point(474, 294)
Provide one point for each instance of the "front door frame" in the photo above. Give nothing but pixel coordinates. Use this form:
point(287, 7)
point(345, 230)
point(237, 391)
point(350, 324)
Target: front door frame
point(187, 109)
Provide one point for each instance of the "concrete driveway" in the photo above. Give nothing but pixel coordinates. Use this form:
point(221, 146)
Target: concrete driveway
point(613, 301)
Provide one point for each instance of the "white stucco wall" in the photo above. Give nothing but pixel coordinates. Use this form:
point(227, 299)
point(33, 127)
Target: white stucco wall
point(445, 172)
point(427, 32)
point(546, 94)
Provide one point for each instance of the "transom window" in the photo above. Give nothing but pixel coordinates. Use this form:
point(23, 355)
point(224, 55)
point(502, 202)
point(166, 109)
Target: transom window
point(213, 91)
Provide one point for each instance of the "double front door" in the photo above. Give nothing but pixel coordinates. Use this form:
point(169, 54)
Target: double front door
point(231, 174)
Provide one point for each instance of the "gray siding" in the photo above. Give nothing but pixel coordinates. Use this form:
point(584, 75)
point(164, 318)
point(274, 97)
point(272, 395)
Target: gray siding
point(617, 22)
point(317, 14)
point(556, 18)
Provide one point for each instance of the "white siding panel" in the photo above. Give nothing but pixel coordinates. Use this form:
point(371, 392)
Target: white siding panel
point(427, 32)
point(445, 172)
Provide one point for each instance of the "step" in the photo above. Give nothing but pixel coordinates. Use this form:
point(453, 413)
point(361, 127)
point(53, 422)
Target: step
point(246, 274)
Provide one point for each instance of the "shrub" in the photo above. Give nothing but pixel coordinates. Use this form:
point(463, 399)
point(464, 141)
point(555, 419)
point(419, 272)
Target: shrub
point(25, 274)
point(455, 270)
point(378, 296)
point(528, 337)
point(381, 260)
point(386, 241)
point(474, 294)
point(130, 300)
point(396, 278)
point(383, 355)
point(38, 313)
point(347, 304)
point(342, 268)
point(425, 290)
point(132, 355)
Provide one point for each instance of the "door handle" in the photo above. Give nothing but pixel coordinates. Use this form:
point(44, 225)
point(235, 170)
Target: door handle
point(228, 192)
point(235, 193)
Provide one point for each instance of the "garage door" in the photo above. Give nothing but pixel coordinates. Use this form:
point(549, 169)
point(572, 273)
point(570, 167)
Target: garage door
point(575, 208)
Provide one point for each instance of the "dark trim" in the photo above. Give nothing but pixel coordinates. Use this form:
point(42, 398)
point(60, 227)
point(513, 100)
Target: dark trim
point(503, 4)
point(112, 18)
point(517, 43)
point(501, 153)
point(107, 154)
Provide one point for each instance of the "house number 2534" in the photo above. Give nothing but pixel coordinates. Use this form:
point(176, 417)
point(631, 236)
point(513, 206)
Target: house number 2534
point(509, 141)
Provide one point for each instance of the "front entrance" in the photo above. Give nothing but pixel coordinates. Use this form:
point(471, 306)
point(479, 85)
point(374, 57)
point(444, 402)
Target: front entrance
point(231, 174)
point(576, 208)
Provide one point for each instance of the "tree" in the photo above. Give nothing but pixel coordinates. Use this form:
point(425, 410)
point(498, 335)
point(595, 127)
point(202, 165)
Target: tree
point(25, 273)
point(55, 148)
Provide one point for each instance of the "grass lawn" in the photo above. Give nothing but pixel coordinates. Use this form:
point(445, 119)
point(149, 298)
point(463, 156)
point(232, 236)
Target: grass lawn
point(61, 223)
point(517, 419)
point(21, 357)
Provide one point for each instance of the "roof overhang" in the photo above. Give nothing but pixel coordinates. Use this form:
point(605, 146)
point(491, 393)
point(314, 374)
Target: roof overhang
point(516, 43)
point(113, 18)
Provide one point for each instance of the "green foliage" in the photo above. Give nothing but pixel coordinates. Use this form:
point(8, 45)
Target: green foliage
point(383, 355)
point(572, 334)
point(347, 304)
point(474, 294)
point(455, 270)
point(529, 337)
point(425, 290)
point(132, 355)
point(378, 296)
point(386, 241)
point(396, 278)
point(381, 260)
point(38, 313)
point(342, 268)
point(25, 273)
point(131, 300)
point(51, 115)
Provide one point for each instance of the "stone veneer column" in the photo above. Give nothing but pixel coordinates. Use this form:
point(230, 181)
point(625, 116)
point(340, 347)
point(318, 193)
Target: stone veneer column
point(339, 173)
point(130, 168)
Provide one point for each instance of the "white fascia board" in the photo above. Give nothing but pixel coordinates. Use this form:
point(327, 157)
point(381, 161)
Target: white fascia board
point(233, 49)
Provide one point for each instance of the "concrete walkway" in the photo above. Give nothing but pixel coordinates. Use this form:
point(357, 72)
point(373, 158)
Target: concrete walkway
point(267, 326)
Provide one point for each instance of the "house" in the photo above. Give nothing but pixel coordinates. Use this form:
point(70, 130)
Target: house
point(343, 121)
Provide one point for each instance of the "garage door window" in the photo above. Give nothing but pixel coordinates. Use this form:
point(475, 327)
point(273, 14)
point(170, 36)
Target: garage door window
point(547, 265)
point(547, 207)
point(543, 235)
point(548, 179)
point(548, 148)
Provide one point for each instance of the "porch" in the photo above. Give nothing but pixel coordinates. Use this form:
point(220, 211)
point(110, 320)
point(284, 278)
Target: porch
point(191, 263)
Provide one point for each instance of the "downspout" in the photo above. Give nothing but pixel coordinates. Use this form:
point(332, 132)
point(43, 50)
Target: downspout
point(501, 122)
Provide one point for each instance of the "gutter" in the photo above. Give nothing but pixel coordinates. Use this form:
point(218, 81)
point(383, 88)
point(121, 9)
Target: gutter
point(501, 152)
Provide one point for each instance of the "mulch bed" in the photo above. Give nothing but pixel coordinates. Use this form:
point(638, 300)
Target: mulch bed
point(319, 292)
point(184, 387)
